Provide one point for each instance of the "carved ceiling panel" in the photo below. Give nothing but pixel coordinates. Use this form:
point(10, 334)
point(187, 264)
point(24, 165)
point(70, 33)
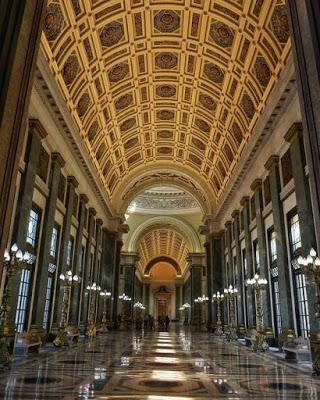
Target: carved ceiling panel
point(162, 242)
point(177, 81)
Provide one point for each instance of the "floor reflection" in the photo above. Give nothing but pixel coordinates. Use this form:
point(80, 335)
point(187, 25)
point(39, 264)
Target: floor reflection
point(156, 365)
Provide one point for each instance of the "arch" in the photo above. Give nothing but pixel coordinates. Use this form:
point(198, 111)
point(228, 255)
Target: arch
point(159, 259)
point(140, 180)
point(186, 231)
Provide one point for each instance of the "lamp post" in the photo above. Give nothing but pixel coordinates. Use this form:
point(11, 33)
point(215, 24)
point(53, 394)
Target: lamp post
point(68, 280)
point(14, 260)
point(258, 284)
point(217, 298)
point(105, 296)
point(138, 308)
point(186, 308)
point(230, 294)
point(91, 327)
point(125, 300)
point(311, 266)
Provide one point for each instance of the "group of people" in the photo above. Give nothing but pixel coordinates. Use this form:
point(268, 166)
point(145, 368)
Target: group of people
point(163, 321)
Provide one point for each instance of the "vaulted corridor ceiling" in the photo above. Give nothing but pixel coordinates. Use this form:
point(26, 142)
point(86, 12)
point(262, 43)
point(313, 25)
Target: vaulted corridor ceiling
point(166, 90)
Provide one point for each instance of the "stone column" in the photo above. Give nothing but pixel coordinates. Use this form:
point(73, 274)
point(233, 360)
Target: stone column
point(116, 273)
point(20, 26)
point(248, 242)
point(129, 284)
point(196, 279)
point(272, 166)
point(36, 134)
point(305, 34)
point(256, 187)
point(302, 190)
point(72, 184)
point(87, 270)
point(147, 298)
point(57, 163)
point(239, 283)
point(107, 265)
point(77, 264)
point(230, 276)
point(209, 280)
point(217, 267)
point(96, 272)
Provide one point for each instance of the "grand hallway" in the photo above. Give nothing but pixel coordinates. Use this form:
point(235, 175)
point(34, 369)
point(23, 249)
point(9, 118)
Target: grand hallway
point(158, 365)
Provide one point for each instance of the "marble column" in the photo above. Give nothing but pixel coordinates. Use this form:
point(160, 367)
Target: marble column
point(147, 298)
point(57, 163)
point(207, 246)
point(87, 278)
point(230, 275)
point(256, 187)
point(304, 209)
point(20, 27)
point(196, 291)
point(239, 283)
point(249, 261)
point(96, 272)
point(129, 284)
point(272, 166)
point(36, 134)
point(107, 265)
point(304, 16)
point(72, 184)
point(116, 273)
point(217, 267)
point(78, 263)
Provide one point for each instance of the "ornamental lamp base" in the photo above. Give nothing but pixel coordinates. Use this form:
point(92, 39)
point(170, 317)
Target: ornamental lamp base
point(315, 352)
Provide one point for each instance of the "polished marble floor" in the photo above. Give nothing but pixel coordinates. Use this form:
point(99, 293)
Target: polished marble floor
point(175, 365)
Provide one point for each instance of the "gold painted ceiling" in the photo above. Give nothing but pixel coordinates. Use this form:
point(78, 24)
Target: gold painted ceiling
point(177, 83)
point(162, 242)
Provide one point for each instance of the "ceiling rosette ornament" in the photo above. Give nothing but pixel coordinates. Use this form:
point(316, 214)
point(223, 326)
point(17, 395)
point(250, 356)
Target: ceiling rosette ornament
point(167, 21)
point(207, 102)
point(166, 91)
point(221, 34)
point(53, 22)
point(165, 115)
point(213, 72)
point(166, 60)
point(111, 34)
point(118, 72)
point(123, 101)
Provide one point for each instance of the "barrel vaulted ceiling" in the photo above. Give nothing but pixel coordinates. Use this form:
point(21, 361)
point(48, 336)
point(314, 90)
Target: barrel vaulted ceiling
point(177, 83)
point(162, 242)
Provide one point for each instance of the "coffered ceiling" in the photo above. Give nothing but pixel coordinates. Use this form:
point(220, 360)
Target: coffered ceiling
point(168, 84)
point(162, 242)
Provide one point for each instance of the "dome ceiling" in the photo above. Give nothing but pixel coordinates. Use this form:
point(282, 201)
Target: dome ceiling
point(162, 242)
point(181, 82)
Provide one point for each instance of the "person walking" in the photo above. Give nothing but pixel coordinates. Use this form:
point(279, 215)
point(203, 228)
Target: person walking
point(167, 321)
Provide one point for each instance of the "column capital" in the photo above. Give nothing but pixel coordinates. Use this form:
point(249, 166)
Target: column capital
point(227, 224)
point(244, 200)
point(273, 160)
point(57, 157)
point(72, 180)
point(294, 131)
point(235, 214)
point(36, 126)
point(256, 184)
point(84, 198)
point(92, 211)
point(99, 222)
point(217, 235)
